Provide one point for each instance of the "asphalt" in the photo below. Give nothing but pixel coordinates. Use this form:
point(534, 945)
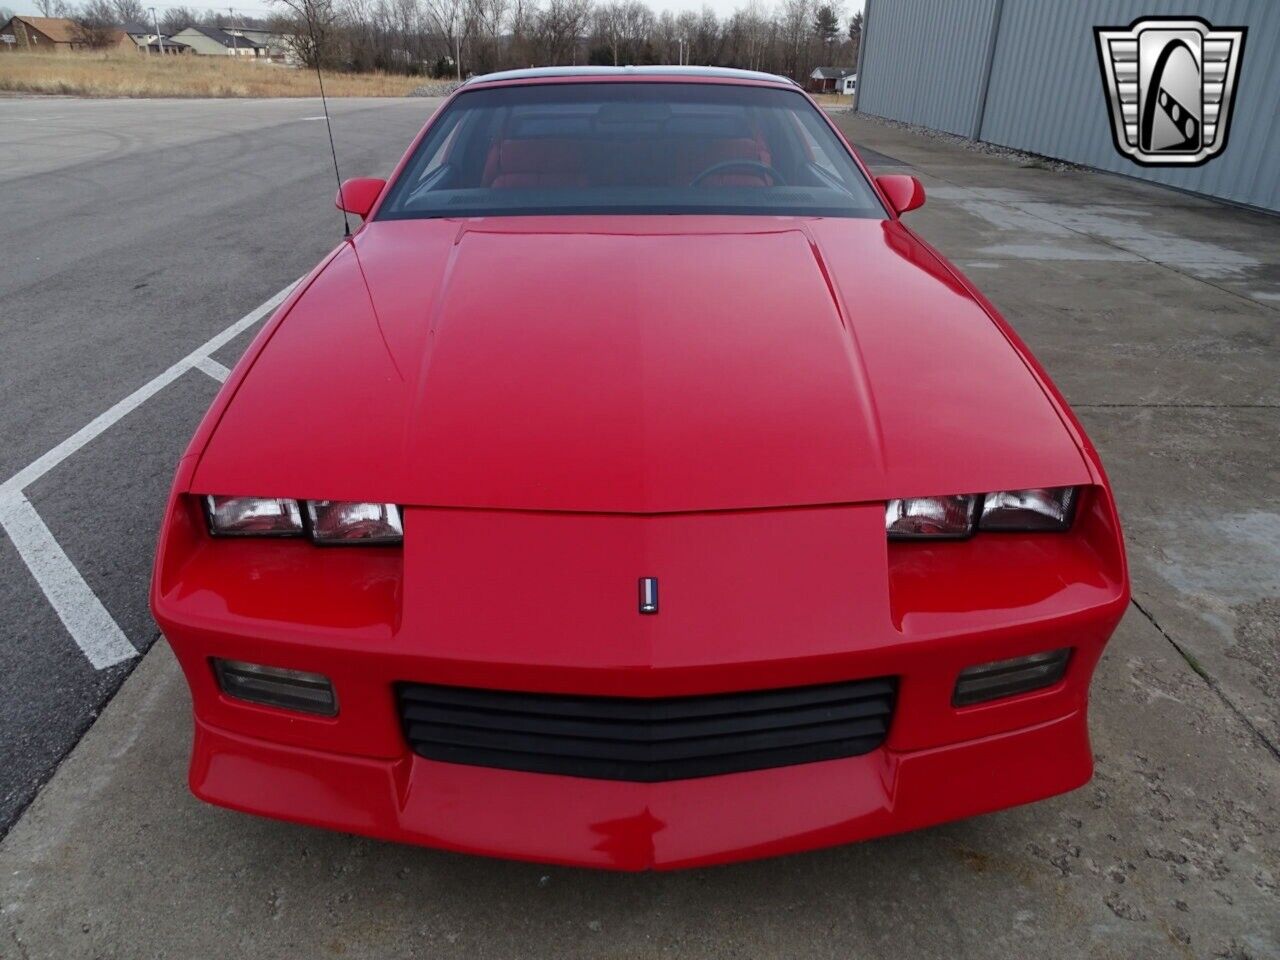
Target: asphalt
point(1155, 312)
point(132, 232)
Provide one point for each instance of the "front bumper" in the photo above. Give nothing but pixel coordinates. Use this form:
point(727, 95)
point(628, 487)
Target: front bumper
point(639, 826)
point(546, 603)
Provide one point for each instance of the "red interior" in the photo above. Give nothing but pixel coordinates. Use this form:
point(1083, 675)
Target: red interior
point(557, 162)
point(525, 164)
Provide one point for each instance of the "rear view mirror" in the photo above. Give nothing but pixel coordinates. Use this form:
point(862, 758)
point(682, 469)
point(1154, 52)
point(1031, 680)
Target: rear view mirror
point(902, 191)
point(359, 195)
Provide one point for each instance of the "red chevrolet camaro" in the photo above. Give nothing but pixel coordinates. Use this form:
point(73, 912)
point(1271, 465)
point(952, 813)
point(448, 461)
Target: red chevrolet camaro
point(634, 489)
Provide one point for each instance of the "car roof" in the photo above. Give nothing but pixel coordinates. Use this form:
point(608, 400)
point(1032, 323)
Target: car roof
point(635, 73)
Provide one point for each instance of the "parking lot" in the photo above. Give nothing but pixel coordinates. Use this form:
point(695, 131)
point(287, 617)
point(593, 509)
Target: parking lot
point(143, 249)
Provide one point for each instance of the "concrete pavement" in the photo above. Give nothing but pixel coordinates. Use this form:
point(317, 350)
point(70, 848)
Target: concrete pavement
point(1156, 314)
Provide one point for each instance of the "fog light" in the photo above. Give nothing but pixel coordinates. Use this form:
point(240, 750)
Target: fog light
point(276, 686)
point(1004, 678)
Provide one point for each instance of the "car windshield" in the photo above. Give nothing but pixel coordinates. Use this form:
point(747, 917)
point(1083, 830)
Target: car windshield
point(630, 147)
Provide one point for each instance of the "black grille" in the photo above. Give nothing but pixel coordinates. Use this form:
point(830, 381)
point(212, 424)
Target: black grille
point(611, 738)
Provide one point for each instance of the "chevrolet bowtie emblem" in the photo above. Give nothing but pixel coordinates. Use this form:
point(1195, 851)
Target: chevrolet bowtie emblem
point(648, 594)
point(1170, 84)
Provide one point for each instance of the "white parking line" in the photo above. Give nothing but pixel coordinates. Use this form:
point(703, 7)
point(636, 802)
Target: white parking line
point(86, 619)
point(213, 368)
point(79, 609)
point(37, 469)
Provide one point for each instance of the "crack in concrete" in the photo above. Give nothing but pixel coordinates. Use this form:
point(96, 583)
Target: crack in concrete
point(1209, 680)
point(1177, 406)
point(13, 937)
point(1164, 265)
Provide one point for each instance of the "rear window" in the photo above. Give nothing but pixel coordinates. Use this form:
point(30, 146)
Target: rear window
point(642, 148)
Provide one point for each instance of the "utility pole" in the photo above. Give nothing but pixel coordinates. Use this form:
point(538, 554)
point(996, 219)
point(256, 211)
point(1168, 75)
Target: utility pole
point(235, 49)
point(155, 20)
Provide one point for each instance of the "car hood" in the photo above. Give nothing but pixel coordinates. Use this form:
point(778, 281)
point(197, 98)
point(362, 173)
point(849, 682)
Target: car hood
point(639, 365)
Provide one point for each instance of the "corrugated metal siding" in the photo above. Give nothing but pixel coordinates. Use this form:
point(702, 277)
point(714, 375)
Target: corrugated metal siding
point(925, 61)
point(1045, 92)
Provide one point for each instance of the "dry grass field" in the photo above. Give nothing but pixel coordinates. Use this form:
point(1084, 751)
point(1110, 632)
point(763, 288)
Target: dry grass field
point(138, 75)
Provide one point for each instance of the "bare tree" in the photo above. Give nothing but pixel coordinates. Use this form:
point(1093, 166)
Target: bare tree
point(310, 28)
point(744, 37)
point(665, 38)
point(608, 21)
point(129, 11)
point(706, 38)
point(489, 17)
point(177, 18)
point(521, 49)
point(637, 25)
point(559, 30)
point(95, 24)
point(795, 32)
point(452, 18)
point(457, 37)
point(624, 27)
point(53, 8)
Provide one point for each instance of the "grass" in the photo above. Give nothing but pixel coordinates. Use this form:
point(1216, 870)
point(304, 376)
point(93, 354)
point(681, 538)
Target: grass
point(127, 74)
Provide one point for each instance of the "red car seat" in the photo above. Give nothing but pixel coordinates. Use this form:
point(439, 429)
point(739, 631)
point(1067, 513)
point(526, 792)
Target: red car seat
point(699, 144)
point(527, 164)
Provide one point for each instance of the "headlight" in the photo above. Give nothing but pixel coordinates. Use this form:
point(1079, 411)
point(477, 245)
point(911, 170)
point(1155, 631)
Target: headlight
point(253, 517)
point(917, 518)
point(1044, 508)
point(956, 517)
point(344, 521)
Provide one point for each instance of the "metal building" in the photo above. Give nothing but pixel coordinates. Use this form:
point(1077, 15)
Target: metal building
point(1025, 74)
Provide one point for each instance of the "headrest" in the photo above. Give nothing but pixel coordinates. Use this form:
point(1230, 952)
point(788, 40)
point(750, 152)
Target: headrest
point(539, 155)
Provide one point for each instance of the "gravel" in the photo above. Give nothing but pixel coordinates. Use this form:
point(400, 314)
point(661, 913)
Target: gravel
point(977, 146)
point(435, 88)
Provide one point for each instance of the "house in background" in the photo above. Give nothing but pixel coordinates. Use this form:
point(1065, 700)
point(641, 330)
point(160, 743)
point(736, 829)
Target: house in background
point(166, 45)
point(148, 41)
point(42, 35)
point(211, 41)
point(829, 79)
point(849, 85)
point(140, 33)
point(278, 48)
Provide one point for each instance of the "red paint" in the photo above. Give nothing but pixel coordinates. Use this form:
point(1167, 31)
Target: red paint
point(359, 195)
point(564, 404)
point(903, 192)
point(614, 364)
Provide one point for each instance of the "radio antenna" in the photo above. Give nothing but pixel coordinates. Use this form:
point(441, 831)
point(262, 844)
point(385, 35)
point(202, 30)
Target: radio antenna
point(333, 151)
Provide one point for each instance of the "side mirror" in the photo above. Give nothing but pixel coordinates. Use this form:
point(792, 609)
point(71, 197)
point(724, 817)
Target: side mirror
point(358, 196)
point(903, 192)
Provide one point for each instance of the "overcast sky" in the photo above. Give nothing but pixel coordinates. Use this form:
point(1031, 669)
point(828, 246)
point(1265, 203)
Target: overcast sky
point(258, 8)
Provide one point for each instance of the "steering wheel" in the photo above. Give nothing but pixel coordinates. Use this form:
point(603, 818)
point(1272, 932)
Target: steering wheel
point(755, 166)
